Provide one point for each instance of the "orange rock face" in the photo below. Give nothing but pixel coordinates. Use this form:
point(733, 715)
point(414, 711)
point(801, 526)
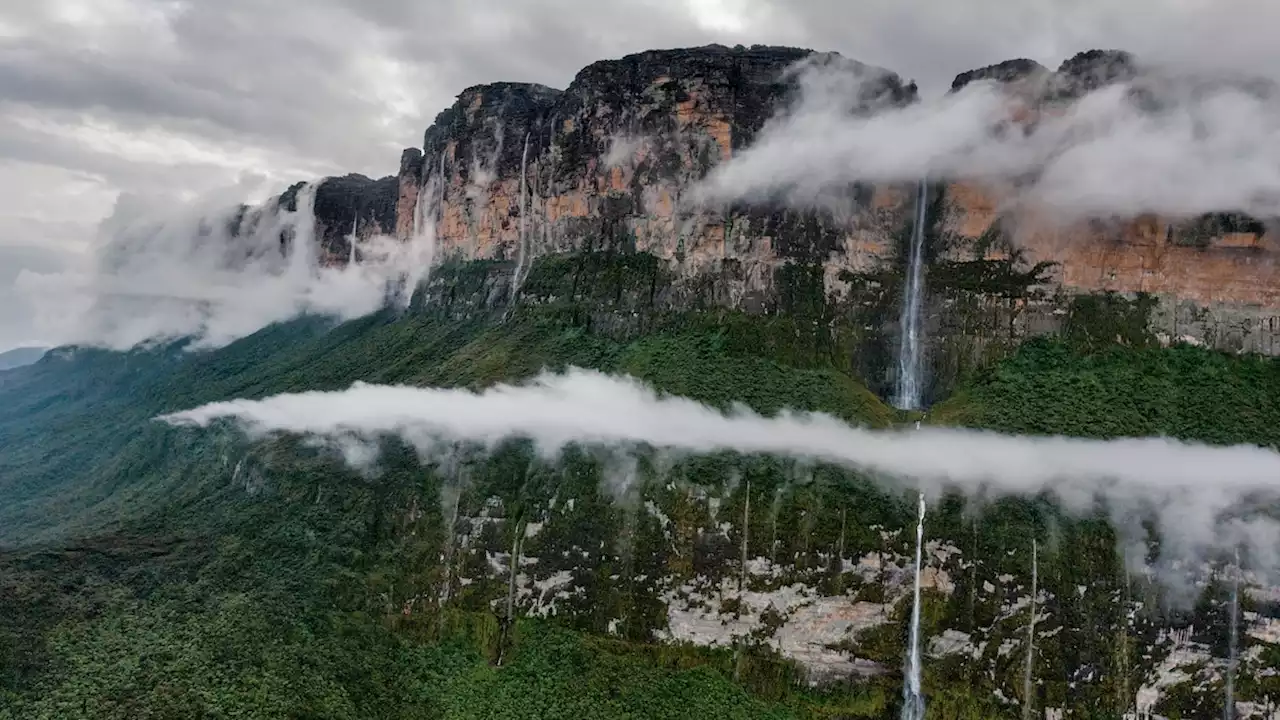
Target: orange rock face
point(1222, 289)
point(1132, 256)
point(612, 162)
point(406, 205)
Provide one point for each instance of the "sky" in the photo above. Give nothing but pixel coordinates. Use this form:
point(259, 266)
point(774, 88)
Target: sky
point(108, 99)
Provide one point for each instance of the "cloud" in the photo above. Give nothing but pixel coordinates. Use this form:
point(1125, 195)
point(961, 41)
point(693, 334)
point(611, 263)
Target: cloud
point(932, 42)
point(1172, 144)
point(213, 272)
point(1199, 494)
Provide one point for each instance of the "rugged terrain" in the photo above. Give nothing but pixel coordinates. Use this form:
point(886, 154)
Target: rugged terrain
point(515, 171)
point(153, 571)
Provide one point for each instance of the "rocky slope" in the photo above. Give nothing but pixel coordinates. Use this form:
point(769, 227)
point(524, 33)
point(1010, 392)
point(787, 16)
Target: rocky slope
point(515, 171)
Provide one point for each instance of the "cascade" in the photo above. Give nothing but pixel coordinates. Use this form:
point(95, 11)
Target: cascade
point(909, 385)
point(1229, 706)
point(1031, 632)
point(444, 185)
point(524, 219)
point(511, 590)
point(746, 528)
point(450, 535)
point(912, 699)
point(1127, 698)
point(418, 210)
point(301, 260)
point(351, 260)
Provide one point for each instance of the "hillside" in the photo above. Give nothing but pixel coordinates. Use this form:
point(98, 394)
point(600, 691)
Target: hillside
point(18, 357)
point(164, 572)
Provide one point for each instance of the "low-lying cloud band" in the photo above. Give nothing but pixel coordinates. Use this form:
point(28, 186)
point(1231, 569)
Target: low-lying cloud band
point(1199, 494)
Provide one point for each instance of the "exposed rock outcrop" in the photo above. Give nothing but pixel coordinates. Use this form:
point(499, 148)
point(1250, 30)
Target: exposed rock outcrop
point(1088, 71)
point(514, 171)
point(1006, 72)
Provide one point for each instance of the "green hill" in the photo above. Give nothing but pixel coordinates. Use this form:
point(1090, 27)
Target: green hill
point(162, 572)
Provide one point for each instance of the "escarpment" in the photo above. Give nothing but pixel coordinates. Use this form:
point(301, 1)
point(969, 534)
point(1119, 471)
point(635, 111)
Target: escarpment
point(511, 172)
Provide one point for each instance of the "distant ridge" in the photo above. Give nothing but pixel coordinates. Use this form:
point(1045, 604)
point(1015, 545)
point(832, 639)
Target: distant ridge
point(18, 357)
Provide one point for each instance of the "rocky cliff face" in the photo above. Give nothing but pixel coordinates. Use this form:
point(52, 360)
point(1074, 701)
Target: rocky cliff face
point(1213, 278)
point(349, 206)
point(525, 170)
point(514, 171)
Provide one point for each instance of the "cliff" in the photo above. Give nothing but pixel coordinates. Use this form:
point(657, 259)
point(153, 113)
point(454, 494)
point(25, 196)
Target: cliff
point(1212, 278)
point(248, 568)
point(515, 171)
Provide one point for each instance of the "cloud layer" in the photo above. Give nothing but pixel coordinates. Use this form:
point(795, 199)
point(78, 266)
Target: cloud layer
point(1171, 144)
point(1198, 494)
point(214, 273)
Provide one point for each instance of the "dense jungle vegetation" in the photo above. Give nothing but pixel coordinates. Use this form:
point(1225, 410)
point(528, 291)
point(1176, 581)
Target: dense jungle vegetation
point(158, 572)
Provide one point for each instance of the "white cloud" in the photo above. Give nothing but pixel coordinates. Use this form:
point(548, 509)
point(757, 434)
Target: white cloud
point(1208, 147)
point(1194, 491)
point(162, 274)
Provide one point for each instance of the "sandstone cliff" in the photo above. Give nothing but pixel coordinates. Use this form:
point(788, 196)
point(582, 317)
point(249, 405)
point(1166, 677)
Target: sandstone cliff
point(516, 171)
point(1213, 278)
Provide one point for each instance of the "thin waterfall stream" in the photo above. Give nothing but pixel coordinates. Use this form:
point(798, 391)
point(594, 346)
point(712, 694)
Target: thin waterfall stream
point(912, 698)
point(355, 222)
point(1028, 676)
point(523, 250)
point(910, 387)
point(1229, 706)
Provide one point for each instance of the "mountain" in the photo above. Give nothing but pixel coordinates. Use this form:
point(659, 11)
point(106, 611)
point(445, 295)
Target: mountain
point(148, 570)
point(514, 171)
point(18, 357)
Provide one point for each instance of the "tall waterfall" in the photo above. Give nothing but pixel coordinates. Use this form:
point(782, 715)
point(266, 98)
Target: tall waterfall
point(524, 220)
point(1229, 706)
point(1027, 678)
point(912, 699)
point(910, 390)
point(355, 221)
point(746, 530)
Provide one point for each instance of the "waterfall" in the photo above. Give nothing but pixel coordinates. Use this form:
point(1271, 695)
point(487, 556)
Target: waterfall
point(421, 206)
point(1031, 632)
point(1229, 707)
point(524, 213)
point(1127, 699)
point(449, 538)
point(351, 261)
point(840, 547)
point(418, 210)
point(912, 699)
point(746, 528)
point(444, 185)
point(301, 260)
point(909, 386)
point(507, 628)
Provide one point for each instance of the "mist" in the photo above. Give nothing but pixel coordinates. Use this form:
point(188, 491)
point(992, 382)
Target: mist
point(1200, 496)
point(1166, 143)
point(213, 271)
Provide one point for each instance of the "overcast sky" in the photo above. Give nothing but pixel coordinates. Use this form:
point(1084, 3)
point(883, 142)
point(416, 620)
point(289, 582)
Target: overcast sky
point(182, 97)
